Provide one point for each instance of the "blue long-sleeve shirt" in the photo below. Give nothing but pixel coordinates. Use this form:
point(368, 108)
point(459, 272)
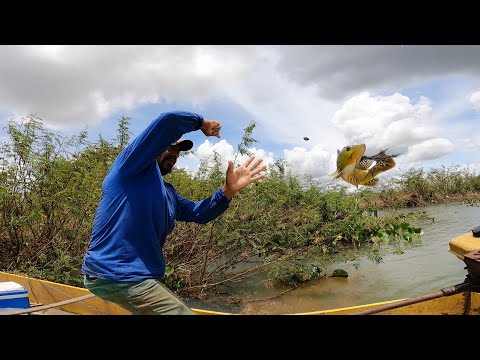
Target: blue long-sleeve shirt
point(137, 209)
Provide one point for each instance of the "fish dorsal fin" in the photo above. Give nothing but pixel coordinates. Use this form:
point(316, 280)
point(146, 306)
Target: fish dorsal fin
point(382, 155)
point(364, 163)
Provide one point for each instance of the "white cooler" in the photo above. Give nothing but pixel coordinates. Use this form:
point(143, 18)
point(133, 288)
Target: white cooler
point(13, 296)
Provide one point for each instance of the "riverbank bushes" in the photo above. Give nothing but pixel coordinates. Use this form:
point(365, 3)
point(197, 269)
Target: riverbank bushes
point(284, 226)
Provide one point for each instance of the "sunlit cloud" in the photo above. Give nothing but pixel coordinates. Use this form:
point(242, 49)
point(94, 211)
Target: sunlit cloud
point(475, 100)
point(429, 149)
point(316, 162)
point(225, 151)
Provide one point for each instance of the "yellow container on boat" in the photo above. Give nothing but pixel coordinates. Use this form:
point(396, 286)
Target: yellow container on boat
point(464, 244)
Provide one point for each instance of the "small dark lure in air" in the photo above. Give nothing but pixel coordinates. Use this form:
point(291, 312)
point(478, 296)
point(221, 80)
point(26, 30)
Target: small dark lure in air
point(306, 138)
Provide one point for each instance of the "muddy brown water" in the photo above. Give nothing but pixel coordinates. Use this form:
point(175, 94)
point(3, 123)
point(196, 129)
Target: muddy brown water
point(426, 266)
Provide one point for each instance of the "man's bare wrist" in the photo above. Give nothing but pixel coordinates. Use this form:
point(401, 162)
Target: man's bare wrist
point(229, 194)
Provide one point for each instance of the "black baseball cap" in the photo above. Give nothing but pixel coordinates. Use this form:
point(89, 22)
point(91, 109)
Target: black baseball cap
point(184, 144)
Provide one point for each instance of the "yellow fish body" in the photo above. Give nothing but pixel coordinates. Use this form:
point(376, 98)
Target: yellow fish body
point(356, 169)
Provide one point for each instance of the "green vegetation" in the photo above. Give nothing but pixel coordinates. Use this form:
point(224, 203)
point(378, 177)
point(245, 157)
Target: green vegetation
point(49, 190)
point(286, 228)
point(416, 187)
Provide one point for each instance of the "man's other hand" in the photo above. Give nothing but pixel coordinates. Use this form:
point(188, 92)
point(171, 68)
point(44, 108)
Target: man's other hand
point(243, 175)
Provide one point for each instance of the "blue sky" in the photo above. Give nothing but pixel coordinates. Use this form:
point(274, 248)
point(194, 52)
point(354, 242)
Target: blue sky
point(421, 101)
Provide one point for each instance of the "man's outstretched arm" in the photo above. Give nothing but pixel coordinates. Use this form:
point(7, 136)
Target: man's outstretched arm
point(236, 179)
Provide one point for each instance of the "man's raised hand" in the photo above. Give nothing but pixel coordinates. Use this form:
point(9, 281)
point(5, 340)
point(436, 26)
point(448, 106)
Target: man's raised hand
point(211, 128)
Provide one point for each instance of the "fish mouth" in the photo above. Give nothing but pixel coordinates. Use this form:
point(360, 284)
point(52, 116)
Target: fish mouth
point(358, 152)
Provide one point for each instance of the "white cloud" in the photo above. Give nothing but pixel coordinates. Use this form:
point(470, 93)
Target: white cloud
point(316, 162)
point(470, 144)
point(429, 149)
point(472, 168)
point(223, 148)
point(475, 100)
point(226, 152)
point(381, 122)
point(288, 112)
point(392, 122)
point(72, 85)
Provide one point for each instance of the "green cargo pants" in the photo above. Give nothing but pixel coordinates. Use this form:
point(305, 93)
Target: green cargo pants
point(147, 297)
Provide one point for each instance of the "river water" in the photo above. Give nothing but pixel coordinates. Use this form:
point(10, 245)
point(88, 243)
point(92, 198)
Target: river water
point(426, 266)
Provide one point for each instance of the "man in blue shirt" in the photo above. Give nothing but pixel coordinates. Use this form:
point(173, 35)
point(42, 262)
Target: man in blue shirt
point(124, 262)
